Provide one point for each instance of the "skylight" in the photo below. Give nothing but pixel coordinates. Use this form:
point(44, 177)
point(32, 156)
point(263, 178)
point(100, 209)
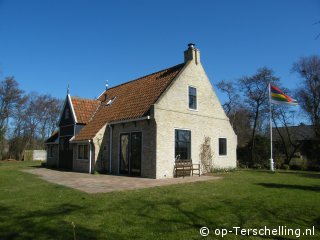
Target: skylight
point(110, 101)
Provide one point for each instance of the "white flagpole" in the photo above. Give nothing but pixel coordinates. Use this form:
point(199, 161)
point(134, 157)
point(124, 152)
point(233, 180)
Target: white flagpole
point(270, 114)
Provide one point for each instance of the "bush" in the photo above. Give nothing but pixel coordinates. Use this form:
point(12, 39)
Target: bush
point(218, 170)
point(285, 167)
point(241, 165)
point(297, 167)
point(257, 166)
point(313, 165)
point(260, 153)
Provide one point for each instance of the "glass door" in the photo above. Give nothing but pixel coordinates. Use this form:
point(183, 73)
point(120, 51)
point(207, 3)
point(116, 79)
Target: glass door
point(135, 158)
point(124, 153)
point(130, 153)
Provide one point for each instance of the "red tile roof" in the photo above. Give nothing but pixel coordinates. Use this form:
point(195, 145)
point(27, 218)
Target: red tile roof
point(84, 108)
point(132, 100)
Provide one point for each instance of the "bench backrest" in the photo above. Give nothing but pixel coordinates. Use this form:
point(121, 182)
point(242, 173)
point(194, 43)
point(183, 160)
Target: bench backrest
point(186, 162)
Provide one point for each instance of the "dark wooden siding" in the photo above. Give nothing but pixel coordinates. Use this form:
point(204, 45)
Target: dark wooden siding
point(67, 117)
point(67, 131)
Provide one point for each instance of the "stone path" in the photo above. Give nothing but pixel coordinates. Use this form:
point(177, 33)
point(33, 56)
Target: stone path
point(107, 183)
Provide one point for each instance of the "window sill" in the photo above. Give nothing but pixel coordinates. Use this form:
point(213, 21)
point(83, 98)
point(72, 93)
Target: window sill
point(194, 110)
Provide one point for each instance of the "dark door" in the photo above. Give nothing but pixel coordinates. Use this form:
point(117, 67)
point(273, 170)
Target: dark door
point(65, 153)
point(130, 153)
point(135, 157)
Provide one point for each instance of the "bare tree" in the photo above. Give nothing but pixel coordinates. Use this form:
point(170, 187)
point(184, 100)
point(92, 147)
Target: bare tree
point(308, 93)
point(10, 97)
point(47, 112)
point(236, 111)
point(319, 33)
point(35, 120)
point(255, 92)
point(283, 116)
point(242, 126)
point(230, 106)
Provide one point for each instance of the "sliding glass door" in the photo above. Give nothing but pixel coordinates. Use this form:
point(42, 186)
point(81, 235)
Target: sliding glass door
point(130, 153)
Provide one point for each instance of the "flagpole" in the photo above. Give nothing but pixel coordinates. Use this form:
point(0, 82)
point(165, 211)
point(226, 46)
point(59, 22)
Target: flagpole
point(270, 114)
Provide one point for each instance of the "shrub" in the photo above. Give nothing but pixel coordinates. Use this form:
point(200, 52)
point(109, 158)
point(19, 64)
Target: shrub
point(285, 167)
point(217, 170)
point(241, 165)
point(206, 155)
point(257, 166)
point(296, 167)
point(313, 165)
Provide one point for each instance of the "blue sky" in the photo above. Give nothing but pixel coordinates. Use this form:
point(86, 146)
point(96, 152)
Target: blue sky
point(48, 44)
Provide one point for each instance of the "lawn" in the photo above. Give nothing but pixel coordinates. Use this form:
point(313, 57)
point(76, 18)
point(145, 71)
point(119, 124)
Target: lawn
point(31, 208)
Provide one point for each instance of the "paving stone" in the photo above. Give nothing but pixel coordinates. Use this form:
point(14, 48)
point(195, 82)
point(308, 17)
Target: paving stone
point(108, 183)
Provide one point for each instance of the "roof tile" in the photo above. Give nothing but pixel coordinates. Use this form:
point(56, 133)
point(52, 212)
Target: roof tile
point(84, 108)
point(132, 100)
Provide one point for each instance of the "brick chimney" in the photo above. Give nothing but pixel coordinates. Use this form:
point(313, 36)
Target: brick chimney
point(192, 54)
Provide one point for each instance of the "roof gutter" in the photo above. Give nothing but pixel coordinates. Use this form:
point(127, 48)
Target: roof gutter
point(130, 120)
point(90, 156)
point(110, 147)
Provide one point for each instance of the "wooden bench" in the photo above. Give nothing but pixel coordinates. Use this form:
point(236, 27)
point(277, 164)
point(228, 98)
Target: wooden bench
point(186, 168)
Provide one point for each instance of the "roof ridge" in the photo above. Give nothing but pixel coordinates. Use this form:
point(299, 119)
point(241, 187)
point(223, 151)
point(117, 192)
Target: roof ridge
point(95, 111)
point(137, 79)
point(82, 98)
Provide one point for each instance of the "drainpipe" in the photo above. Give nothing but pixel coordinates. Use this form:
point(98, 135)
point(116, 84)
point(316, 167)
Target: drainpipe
point(90, 156)
point(110, 148)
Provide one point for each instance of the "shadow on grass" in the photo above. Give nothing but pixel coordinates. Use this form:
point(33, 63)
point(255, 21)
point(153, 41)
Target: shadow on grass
point(186, 219)
point(41, 224)
point(302, 174)
point(288, 186)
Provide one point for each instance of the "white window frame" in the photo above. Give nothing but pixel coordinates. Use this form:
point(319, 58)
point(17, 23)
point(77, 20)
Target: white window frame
point(192, 109)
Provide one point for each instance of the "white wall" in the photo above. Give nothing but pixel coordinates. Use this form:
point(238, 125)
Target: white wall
point(172, 112)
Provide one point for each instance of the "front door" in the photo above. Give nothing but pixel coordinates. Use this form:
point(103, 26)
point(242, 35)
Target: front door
point(65, 153)
point(130, 153)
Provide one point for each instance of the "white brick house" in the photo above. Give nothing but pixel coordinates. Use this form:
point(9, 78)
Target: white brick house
point(139, 127)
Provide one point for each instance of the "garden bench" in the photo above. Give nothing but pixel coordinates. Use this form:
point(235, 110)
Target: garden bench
point(186, 168)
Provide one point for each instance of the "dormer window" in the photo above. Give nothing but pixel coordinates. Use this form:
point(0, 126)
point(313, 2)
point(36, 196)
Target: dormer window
point(192, 98)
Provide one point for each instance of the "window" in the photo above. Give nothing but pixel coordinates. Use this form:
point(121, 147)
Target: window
point(110, 101)
point(192, 98)
point(83, 151)
point(183, 144)
point(222, 146)
point(50, 150)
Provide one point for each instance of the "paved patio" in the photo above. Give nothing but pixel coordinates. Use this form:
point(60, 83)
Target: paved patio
point(108, 183)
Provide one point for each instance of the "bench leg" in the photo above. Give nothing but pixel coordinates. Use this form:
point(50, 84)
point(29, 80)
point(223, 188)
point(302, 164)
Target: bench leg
point(182, 171)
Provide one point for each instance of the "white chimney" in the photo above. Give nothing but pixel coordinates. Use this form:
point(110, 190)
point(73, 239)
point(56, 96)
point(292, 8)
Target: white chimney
point(192, 54)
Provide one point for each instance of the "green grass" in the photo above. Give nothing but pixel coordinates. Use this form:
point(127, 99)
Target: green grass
point(31, 208)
